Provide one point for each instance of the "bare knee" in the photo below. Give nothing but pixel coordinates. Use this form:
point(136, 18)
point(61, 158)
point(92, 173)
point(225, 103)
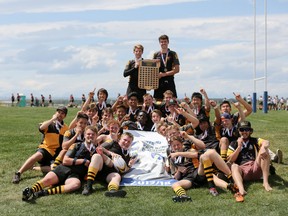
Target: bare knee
point(73, 185)
point(175, 185)
point(97, 161)
point(224, 143)
point(207, 154)
point(37, 156)
point(235, 167)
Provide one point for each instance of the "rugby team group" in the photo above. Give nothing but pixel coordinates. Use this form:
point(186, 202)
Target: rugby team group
point(201, 151)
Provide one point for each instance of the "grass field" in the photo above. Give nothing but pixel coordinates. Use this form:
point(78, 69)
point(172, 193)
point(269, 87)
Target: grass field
point(19, 138)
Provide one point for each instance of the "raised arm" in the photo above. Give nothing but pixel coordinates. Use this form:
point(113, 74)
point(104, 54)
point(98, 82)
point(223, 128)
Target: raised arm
point(206, 100)
point(191, 118)
point(45, 124)
point(88, 101)
point(217, 120)
point(240, 110)
point(199, 144)
point(248, 107)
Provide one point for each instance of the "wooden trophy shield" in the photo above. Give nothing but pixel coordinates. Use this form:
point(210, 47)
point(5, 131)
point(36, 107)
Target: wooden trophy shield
point(148, 74)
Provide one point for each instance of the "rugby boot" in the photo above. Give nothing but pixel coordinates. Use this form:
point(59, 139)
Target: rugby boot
point(115, 193)
point(87, 189)
point(16, 178)
point(183, 198)
point(27, 194)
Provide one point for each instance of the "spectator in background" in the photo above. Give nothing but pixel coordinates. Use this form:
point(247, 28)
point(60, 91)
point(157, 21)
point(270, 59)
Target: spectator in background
point(18, 99)
point(282, 103)
point(83, 98)
point(50, 100)
point(12, 99)
point(260, 105)
point(249, 99)
point(36, 102)
point(71, 101)
point(270, 102)
point(31, 100)
point(42, 100)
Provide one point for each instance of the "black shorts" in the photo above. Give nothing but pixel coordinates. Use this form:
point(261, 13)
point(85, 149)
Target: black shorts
point(63, 173)
point(102, 175)
point(47, 157)
point(196, 179)
point(164, 85)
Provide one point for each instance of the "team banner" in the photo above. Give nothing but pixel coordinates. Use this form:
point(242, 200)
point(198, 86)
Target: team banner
point(150, 150)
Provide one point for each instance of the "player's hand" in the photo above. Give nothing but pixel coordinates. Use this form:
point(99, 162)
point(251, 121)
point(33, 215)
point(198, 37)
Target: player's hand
point(202, 91)
point(237, 96)
point(213, 103)
point(78, 130)
point(237, 104)
point(99, 150)
point(132, 161)
point(55, 116)
point(240, 142)
point(173, 155)
point(86, 163)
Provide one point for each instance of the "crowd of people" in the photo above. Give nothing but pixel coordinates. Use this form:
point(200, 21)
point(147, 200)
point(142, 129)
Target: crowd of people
point(201, 151)
point(220, 152)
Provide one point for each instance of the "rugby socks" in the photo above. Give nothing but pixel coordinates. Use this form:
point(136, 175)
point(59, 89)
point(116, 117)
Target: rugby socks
point(38, 186)
point(179, 191)
point(57, 162)
point(113, 187)
point(223, 153)
point(208, 170)
point(56, 190)
point(92, 172)
point(229, 177)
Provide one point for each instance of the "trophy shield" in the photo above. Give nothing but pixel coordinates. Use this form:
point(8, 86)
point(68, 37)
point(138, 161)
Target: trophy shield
point(148, 74)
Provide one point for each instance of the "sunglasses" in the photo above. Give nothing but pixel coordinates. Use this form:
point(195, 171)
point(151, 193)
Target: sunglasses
point(245, 129)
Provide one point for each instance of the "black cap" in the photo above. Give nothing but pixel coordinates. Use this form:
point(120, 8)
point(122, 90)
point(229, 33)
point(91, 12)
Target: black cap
point(203, 118)
point(133, 94)
point(63, 109)
point(244, 124)
point(172, 102)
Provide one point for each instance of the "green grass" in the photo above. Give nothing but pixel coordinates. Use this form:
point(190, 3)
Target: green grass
point(19, 138)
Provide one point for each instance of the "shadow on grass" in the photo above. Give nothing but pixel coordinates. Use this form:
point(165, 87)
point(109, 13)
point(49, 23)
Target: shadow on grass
point(278, 182)
point(275, 181)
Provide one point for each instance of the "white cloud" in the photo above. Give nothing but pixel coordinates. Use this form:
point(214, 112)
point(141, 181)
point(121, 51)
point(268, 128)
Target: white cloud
point(215, 53)
point(32, 6)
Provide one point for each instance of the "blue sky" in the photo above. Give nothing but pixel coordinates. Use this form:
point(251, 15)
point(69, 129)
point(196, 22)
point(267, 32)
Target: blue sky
point(70, 47)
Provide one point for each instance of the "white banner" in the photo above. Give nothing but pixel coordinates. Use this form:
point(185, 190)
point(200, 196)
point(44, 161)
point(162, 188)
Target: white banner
point(150, 148)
